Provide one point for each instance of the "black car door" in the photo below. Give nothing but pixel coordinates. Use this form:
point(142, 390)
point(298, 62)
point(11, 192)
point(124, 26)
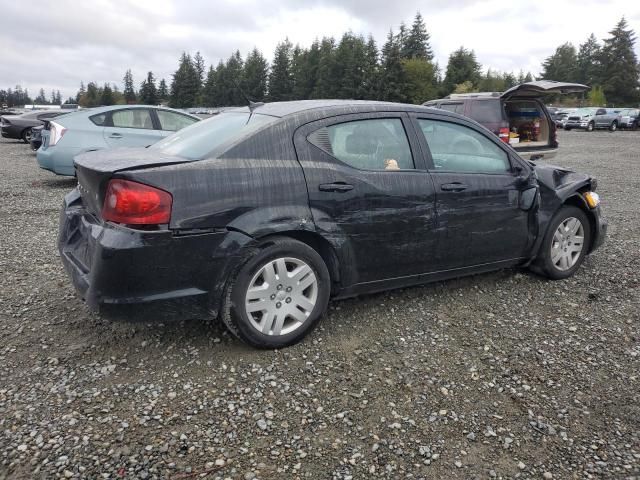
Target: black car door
point(370, 193)
point(477, 194)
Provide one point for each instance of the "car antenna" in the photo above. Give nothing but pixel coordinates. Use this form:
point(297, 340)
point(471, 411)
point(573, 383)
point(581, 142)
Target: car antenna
point(252, 105)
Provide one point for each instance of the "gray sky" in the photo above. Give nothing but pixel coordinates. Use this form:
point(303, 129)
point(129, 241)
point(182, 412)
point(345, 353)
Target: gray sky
point(55, 45)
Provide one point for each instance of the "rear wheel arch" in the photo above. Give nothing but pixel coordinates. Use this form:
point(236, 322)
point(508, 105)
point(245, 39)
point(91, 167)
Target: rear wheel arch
point(315, 241)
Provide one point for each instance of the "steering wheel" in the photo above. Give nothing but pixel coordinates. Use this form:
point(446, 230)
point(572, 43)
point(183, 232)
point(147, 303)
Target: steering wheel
point(467, 146)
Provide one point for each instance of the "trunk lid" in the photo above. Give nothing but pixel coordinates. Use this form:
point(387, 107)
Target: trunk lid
point(543, 87)
point(95, 169)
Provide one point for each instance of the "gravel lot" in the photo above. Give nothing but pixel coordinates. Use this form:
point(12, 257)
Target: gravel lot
point(503, 375)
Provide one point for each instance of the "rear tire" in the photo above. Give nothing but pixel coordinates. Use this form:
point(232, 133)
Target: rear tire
point(567, 129)
point(613, 127)
point(26, 135)
point(278, 295)
point(559, 254)
point(590, 127)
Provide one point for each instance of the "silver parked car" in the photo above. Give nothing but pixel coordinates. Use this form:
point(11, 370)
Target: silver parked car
point(629, 118)
point(103, 128)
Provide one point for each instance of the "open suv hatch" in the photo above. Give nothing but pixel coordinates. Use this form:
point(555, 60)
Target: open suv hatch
point(518, 116)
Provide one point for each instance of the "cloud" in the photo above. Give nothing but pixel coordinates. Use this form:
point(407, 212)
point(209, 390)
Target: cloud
point(99, 40)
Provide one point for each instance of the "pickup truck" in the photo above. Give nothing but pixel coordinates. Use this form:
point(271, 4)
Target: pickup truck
point(593, 118)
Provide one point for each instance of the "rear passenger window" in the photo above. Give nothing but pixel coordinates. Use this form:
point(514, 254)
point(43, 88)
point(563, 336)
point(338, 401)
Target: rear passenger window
point(453, 107)
point(456, 148)
point(172, 121)
point(376, 144)
point(487, 111)
point(134, 118)
point(99, 119)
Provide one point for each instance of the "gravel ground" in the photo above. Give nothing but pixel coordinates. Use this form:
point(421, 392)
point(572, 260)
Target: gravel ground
point(503, 375)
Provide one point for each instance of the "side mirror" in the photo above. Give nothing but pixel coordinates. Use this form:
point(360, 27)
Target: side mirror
point(528, 198)
point(522, 176)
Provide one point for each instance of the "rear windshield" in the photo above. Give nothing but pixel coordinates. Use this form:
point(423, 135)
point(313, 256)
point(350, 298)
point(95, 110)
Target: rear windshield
point(201, 138)
point(487, 111)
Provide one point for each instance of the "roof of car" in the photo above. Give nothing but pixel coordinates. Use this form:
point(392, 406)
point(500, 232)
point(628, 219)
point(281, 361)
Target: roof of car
point(283, 109)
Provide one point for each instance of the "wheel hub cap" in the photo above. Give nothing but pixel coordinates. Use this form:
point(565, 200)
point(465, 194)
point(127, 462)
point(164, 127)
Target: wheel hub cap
point(281, 296)
point(567, 244)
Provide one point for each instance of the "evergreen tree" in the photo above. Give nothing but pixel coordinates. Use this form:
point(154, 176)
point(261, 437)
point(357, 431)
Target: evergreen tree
point(198, 63)
point(325, 82)
point(561, 66)
point(81, 92)
point(280, 78)
point(163, 91)
point(185, 85)
point(70, 101)
point(417, 42)
point(420, 75)
point(58, 100)
point(255, 75)
point(41, 99)
point(620, 71)
point(305, 70)
point(350, 64)
point(209, 92)
point(589, 62)
point(509, 81)
point(148, 91)
point(106, 97)
point(129, 91)
point(392, 77)
point(92, 97)
point(53, 97)
point(462, 67)
point(232, 80)
point(401, 39)
point(371, 70)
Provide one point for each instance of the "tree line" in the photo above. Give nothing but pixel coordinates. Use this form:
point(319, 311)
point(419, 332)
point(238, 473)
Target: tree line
point(19, 97)
point(353, 67)
point(610, 68)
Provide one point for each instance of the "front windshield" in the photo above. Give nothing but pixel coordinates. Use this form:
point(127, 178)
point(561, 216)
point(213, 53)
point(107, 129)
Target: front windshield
point(198, 140)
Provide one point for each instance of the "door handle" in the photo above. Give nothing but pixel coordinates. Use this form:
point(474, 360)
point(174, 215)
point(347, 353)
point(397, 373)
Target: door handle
point(453, 187)
point(115, 135)
point(339, 187)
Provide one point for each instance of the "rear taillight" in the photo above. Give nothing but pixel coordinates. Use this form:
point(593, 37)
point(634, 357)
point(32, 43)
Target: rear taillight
point(504, 135)
point(134, 203)
point(57, 131)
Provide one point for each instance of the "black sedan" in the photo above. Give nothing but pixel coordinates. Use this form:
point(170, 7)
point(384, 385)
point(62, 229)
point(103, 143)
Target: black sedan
point(260, 215)
point(19, 126)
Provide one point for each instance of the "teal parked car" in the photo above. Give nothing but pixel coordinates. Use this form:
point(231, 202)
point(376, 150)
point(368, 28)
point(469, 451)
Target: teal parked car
point(103, 128)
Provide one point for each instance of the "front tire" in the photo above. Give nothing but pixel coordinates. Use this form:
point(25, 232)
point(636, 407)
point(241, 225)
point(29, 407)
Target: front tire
point(613, 127)
point(26, 135)
point(278, 295)
point(565, 244)
point(590, 127)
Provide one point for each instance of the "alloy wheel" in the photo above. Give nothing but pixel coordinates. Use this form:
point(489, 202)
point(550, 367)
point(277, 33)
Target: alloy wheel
point(567, 243)
point(281, 296)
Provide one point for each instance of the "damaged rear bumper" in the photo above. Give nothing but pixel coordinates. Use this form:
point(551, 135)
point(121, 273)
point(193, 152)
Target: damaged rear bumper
point(131, 274)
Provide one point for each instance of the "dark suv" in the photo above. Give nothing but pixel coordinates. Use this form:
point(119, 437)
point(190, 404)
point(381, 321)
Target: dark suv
point(518, 116)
